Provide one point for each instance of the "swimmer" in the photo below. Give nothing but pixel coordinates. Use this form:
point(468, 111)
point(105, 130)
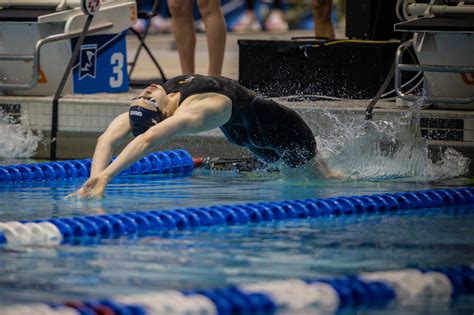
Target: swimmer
point(190, 104)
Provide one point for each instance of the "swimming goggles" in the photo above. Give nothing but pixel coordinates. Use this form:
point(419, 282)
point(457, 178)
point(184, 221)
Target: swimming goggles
point(147, 99)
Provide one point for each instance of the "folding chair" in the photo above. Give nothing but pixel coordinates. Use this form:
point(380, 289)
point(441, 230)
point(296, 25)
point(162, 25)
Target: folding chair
point(146, 15)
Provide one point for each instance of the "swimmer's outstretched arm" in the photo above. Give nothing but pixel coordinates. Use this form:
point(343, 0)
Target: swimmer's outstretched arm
point(198, 117)
point(138, 148)
point(142, 145)
point(115, 133)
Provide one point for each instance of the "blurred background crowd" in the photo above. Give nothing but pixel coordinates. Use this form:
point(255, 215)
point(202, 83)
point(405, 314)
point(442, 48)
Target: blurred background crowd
point(250, 15)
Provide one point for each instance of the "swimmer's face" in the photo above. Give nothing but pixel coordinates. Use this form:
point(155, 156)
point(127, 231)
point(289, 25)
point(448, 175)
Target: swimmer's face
point(158, 93)
point(147, 109)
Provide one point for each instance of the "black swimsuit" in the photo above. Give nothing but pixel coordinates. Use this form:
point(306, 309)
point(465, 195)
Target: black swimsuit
point(269, 130)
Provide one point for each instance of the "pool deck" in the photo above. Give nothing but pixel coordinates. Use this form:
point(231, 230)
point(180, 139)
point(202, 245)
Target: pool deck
point(83, 117)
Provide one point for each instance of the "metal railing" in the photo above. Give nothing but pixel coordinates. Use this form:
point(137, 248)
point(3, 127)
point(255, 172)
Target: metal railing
point(400, 67)
point(36, 56)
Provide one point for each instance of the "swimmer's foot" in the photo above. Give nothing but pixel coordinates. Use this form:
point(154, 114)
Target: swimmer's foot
point(335, 175)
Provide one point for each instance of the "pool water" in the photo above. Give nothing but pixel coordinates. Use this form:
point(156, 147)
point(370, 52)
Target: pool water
point(379, 156)
point(220, 256)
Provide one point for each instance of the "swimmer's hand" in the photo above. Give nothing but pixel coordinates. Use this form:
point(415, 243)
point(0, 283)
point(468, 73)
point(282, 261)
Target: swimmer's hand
point(93, 188)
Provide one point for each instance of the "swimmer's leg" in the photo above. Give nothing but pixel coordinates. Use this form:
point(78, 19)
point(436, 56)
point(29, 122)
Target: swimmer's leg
point(266, 155)
point(280, 129)
point(315, 168)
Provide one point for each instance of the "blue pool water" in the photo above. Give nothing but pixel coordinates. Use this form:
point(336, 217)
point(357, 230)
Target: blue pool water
point(219, 256)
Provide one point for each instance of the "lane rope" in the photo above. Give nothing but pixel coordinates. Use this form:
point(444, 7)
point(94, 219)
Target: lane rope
point(321, 296)
point(167, 162)
point(93, 228)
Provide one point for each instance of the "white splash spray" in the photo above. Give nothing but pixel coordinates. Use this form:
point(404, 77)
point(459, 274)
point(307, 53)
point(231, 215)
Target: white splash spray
point(386, 149)
point(17, 139)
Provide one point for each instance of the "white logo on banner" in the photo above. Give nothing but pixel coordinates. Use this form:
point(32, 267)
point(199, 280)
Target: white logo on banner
point(87, 62)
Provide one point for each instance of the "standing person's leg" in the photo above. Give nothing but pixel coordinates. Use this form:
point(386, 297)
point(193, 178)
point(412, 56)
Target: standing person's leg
point(248, 21)
point(182, 25)
point(322, 18)
point(276, 21)
point(215, 32)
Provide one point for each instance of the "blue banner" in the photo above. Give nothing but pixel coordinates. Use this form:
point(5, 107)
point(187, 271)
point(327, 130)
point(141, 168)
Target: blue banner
point(101, 66)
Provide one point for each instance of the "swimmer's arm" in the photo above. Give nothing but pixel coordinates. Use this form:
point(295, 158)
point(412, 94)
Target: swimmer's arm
point(214, 113)
point(95, 186)
point(112, 136)
point(202, 115)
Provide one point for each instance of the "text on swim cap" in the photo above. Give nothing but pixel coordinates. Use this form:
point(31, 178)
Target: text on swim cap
point(136, 113)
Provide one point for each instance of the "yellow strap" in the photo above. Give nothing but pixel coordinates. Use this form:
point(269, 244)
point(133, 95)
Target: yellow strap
point(358, 41)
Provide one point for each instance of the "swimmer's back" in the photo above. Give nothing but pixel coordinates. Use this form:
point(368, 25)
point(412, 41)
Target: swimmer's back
point(270, 130)
point(189, 85)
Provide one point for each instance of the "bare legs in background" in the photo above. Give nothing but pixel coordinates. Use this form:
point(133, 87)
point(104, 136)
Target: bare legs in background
point(322, 18)
point(182, 24)
point(274, 22)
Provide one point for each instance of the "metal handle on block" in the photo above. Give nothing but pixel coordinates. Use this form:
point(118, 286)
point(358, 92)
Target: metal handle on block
point(37, 54)
point(400, 67)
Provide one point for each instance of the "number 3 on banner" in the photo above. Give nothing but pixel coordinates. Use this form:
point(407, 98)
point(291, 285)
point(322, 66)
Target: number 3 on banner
point(116, 80)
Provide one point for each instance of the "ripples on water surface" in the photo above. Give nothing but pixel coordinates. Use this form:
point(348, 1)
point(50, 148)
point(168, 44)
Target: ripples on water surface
point(220, 256)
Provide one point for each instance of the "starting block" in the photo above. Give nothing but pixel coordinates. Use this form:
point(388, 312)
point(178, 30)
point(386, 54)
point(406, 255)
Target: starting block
point(443, 40)
point(37, 38)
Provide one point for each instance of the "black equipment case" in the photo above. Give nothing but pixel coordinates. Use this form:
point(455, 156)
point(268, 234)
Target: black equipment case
point(352, 69)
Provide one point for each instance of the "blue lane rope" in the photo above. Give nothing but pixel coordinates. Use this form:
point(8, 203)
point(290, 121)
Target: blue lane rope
point(95, 227)
point(362, 291)
point(168, 162)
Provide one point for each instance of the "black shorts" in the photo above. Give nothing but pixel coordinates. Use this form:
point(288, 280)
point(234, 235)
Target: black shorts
point(273, 132)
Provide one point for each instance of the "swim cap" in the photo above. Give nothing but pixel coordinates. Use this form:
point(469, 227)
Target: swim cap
point(141, 119)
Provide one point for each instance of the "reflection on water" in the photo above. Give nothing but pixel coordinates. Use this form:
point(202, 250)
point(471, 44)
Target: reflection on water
point(37, 200)
point(219, 256)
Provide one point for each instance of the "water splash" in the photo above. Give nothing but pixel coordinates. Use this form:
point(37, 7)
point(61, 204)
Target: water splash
point(386, 149)
point(17, 140)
